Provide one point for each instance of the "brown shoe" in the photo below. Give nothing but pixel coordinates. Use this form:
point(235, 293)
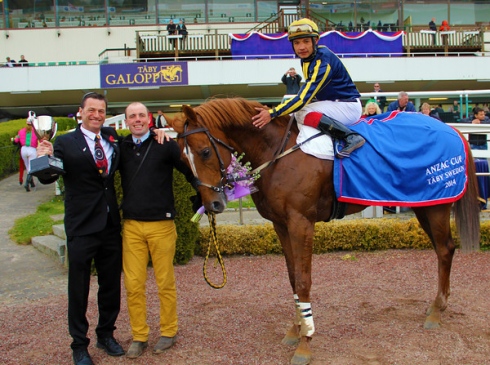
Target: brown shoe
point(163, 344)
point(136, 349)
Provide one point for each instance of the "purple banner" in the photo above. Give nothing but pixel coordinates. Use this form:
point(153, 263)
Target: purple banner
point(146, 74)
point(348, 43)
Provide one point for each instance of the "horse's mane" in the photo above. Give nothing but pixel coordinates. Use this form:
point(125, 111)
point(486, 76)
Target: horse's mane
point(228, 112)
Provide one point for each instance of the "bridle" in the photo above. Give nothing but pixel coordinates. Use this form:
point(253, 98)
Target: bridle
point(225, 178)
point(214, 142)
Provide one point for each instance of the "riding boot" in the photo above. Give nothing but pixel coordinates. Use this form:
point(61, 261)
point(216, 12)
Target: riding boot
point(28, 181)
point(337, 130)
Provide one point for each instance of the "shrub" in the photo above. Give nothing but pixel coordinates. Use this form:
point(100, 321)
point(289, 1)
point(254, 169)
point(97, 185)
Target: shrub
point(342, 235)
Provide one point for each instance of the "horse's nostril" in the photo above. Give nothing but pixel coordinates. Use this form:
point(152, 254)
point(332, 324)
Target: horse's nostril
point(218, 207)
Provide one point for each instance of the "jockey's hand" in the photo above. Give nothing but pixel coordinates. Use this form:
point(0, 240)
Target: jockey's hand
point(262, 119)
point(44, 148)
point(161, 136)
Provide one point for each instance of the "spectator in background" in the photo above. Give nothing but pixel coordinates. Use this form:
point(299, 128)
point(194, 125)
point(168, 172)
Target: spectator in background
point(10, 62)
point(172, 30)
point(444, 28)
point(160, 121)
point(402, 104)
point(455, 107)
point(79, 118)
point(381, 100)
point(23, 62)
point(433, 27)
point(292, 80)
point(371, 109)
point(182, 30)
point(439, 109)
point(477, 141)
point(427, 110)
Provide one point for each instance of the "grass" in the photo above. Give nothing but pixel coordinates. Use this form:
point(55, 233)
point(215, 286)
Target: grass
point(247, 203)
point(37, 224)
point(41, 223)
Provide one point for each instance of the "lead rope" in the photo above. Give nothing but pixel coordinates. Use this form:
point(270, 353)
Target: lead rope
point(219, 258)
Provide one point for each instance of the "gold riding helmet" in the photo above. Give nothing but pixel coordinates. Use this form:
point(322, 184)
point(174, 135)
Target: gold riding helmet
point(302, 28)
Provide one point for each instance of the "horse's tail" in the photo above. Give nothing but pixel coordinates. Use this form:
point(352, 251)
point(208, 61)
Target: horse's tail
point(467, 210)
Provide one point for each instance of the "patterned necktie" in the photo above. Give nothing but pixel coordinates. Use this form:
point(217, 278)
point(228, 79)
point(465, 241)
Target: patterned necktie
point(100, 159)
point(138, 142)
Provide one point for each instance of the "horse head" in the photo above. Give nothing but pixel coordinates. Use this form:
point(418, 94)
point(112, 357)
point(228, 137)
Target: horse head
point(208, 155)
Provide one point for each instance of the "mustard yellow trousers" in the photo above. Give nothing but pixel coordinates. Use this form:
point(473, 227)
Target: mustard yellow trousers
point(140, 240)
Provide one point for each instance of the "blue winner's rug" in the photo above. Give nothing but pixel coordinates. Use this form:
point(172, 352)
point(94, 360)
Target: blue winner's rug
point(409, 159)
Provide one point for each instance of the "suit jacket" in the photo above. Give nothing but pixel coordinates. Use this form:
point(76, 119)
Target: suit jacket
point(88, 195)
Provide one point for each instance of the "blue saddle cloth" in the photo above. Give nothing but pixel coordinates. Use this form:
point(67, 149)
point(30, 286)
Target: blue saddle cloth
point(409, 159)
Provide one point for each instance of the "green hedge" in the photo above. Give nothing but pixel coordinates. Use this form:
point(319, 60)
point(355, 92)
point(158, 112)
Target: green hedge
point(9, 153)
point(343, 235)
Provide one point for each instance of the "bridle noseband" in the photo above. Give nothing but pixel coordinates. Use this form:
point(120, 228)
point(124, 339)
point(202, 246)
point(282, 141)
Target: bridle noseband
point(224, 177)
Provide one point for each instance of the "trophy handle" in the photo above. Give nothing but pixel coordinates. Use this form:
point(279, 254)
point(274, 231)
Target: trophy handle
point(55, 128)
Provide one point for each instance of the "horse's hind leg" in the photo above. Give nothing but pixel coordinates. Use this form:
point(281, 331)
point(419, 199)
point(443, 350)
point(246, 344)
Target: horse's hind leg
point(435, 221)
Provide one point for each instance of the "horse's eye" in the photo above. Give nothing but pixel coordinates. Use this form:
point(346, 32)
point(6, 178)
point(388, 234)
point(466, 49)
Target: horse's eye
point(206, 153)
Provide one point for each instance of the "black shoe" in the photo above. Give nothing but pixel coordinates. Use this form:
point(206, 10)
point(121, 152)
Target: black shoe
point(82, 357)
point(27, 187)
point(352, 142)
point(110, 345)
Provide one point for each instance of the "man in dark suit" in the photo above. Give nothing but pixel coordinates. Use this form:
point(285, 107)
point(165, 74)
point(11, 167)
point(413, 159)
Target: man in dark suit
point(92, 224)
point(160, 121)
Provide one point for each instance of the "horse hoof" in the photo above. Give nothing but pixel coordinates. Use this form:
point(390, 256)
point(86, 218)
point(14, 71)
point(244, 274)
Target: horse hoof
point(291, 338)
point(429, 325)
point(300, 359)
point(290, 341)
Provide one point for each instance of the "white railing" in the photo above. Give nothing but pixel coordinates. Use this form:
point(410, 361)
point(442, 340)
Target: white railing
point(467, 128)
point(117, 122)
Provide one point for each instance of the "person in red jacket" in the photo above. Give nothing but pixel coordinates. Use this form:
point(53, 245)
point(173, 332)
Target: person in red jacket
point(444, 28)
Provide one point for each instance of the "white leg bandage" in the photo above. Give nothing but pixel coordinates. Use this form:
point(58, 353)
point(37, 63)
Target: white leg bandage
point(307, 325)
point(297, 318)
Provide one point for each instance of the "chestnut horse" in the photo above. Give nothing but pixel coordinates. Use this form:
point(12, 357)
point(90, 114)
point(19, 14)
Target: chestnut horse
point(296, 191)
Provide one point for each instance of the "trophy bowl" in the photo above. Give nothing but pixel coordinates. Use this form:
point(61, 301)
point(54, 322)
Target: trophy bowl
point(44, 126)
point(45, 167)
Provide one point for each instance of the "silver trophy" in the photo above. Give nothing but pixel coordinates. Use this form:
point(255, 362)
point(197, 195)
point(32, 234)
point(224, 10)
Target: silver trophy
point(45, 128)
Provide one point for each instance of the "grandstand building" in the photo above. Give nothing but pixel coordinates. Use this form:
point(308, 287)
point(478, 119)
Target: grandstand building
point(233, 48)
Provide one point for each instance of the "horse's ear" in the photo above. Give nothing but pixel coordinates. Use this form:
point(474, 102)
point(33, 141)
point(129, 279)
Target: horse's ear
point(189, 113)
point(178, 123)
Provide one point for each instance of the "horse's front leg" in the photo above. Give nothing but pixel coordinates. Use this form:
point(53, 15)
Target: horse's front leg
point(301, 236)
point(292, 335)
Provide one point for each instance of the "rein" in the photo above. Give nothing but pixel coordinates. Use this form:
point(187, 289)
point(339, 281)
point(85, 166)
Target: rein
point(219, 259)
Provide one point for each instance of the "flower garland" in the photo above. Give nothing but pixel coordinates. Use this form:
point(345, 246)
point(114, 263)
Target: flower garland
point(240, 182)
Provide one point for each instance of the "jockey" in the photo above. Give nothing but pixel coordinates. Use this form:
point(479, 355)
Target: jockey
point(328, 100)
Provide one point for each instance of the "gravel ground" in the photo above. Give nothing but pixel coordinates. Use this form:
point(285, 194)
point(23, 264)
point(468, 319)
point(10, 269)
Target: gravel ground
point(368, 308)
